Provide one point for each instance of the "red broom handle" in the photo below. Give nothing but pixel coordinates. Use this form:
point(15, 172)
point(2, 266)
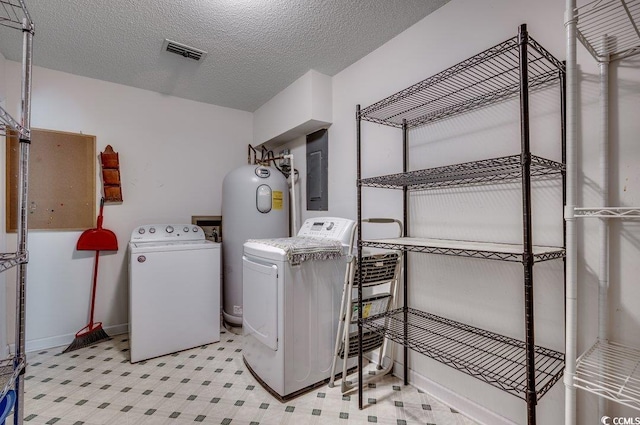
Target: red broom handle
point(93, 290)
point(95, 270)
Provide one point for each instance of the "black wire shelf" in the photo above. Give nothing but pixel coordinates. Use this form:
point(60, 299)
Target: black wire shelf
point(484, 79)
point(490, 357)
point(496, 170)
point(469, 249)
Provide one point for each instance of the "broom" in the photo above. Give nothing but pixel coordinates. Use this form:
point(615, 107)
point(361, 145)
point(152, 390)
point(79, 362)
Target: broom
point(95, 240)
point(93, 332)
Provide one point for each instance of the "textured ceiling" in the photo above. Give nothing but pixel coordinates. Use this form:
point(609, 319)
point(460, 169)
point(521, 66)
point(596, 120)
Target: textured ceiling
point(255, 48)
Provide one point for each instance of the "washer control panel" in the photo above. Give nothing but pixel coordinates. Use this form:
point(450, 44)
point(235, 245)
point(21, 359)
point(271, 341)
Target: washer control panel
point(167, 232)
point(329, 228)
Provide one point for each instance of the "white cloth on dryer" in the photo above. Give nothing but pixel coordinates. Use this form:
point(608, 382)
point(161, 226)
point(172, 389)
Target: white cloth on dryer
point(303, 248)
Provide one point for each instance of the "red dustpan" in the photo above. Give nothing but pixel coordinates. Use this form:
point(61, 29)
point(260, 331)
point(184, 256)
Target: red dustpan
point(97, 240)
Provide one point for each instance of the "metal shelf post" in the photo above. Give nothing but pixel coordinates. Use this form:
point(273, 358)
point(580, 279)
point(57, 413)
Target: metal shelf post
point(14, 14)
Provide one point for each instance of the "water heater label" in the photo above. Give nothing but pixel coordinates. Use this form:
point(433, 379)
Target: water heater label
point(277, 199)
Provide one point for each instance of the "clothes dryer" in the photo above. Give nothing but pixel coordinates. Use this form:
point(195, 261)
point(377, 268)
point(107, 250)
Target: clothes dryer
point(174, 290)
point(292, 289)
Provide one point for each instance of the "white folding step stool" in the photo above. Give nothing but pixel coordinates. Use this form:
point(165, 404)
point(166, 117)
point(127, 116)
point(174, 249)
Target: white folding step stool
point(380, 275)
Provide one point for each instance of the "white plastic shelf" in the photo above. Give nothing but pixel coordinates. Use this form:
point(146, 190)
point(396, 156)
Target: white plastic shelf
point(611, 371)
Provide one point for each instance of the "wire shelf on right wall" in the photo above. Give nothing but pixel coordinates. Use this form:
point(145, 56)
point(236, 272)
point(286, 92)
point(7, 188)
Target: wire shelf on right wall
point(609, 29)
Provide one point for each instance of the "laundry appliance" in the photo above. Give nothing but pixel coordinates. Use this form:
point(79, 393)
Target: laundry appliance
point(292, 289)
point(174, 290)
point(255, 204)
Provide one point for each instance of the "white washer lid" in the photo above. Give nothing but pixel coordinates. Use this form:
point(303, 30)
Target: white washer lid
point(137, 247)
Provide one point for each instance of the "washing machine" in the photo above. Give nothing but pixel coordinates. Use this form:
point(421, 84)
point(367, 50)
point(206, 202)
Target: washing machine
point(291, 307)
point(174, 290)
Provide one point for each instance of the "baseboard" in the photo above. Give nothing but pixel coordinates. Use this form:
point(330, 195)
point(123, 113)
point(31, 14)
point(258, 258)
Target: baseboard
point(468, 408)
point(64, 340)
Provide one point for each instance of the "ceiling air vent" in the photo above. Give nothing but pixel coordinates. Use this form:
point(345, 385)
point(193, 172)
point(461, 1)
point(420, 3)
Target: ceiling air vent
point(183, 50)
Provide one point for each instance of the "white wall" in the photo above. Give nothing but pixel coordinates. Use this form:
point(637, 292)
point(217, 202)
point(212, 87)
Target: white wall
point(489, 294)
point(174, 154)
point(301, 108)
point(2, 78)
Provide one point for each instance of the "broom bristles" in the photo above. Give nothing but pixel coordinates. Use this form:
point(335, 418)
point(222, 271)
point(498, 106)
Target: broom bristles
point(89, 338)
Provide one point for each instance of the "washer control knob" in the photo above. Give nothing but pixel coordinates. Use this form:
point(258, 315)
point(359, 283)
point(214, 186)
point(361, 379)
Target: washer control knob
point(195, 229)
point(152, 229)
point(186, 229)
point(169, 229)
point(141, 230)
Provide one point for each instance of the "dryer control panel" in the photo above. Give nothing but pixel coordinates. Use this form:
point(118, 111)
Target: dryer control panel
point(167, 232)
point(328, 227)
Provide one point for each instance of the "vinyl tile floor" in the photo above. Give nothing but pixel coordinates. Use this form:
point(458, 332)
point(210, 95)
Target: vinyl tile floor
point(98, 385)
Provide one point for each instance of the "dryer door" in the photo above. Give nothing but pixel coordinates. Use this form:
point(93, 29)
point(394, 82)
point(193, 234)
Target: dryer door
point(260, 301)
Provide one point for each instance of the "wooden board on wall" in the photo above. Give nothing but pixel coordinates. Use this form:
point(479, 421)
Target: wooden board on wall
point(62, 181)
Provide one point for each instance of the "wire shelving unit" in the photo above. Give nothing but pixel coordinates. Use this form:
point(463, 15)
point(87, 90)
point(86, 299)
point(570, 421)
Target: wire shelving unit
point(512, 69)
point(10, 260)
point(470, 249)
point(607, 212)
point(14, 14)
point(609, 30)
point(495, 170)
point(484, 79)
point(611, 371)
point(493, 358)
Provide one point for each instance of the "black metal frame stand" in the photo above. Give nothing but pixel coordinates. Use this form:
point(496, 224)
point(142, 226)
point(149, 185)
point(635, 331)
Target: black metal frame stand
point(515, 67)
